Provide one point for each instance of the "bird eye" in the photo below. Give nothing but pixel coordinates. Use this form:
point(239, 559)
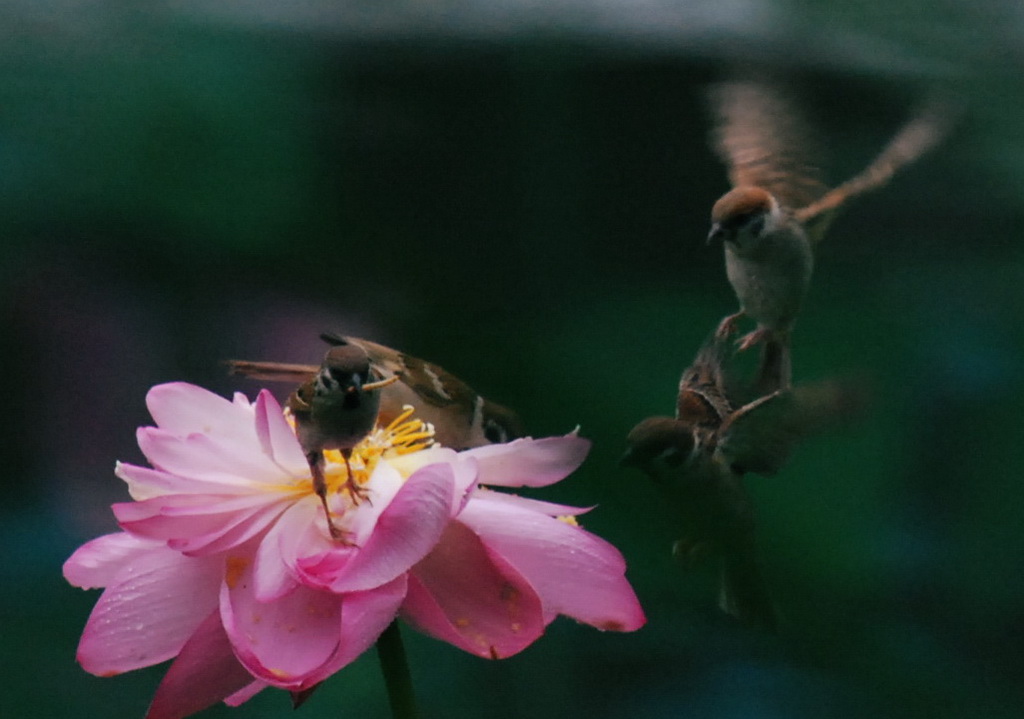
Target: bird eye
point(326, 381)
point(755, 223)
point(494, 432)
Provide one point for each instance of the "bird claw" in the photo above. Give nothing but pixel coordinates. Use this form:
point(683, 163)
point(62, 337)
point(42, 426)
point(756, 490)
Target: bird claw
point(356, 491)
point(341, 536)
point(338, 535)
point(727, 326)
point(749, 340)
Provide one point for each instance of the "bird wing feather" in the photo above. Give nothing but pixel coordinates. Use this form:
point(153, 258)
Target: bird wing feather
point(703, 389)
point(764, 142)
point(760, 436)
point(459, 414)
point(925, 129)
point(272, 371)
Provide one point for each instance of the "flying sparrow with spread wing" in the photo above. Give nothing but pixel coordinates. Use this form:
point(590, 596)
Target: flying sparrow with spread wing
point(779, 208)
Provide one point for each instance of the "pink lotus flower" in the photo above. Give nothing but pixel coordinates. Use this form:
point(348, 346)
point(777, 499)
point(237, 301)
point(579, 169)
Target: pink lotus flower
point(226, 563)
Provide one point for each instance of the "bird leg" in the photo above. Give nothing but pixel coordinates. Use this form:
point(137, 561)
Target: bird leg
point(761, 334)
point(355, 490)
point(316, 467)
point(728, 325)
point(775, 370)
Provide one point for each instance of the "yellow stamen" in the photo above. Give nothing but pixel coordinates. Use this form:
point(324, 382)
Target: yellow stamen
point(407, 410)
point(402, 436)
point(380, 383)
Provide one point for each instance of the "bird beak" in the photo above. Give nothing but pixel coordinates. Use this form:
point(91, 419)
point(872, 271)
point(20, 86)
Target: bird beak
point(717, 233)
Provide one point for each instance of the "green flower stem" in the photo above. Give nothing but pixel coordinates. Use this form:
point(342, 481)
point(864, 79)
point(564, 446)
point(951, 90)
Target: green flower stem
point(395, 667)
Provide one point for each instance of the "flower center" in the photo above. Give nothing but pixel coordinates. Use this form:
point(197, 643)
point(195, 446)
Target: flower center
point(404, 435)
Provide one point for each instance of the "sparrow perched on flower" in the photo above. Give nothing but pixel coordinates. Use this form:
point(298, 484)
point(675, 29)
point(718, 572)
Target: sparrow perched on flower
point(461, 418)
point(698, 458)
point(361, 384)
point(779, 209)
point(335, 409)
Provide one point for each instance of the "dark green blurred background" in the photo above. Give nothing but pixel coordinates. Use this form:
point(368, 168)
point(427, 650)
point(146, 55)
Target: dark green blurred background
point(519, 191)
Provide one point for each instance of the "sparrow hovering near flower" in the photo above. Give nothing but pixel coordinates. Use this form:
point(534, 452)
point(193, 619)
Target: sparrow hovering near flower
point(779, 208)
point(698, 459)
point(713, 505)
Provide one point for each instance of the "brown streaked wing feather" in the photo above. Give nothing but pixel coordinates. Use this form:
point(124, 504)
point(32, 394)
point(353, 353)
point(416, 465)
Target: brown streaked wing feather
point(697, 408)
point(272, 371)
point(926, 129)
point(755, 438)
point(431, 388)
point(764, 143)
point(452, 427)
point(431, 383)
point(703, 394)
point(459, 415)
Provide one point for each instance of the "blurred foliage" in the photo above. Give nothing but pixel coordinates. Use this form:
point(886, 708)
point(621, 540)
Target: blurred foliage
point(525, 203)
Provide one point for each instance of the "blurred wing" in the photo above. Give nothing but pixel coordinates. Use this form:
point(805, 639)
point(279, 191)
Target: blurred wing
point(919, 135)
point(461, 417)
point(763, 143)
point(272, 371)
point(760, 436)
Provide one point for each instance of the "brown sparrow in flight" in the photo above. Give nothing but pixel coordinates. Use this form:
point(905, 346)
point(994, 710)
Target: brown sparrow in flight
point(779, 209)
point(698, 459)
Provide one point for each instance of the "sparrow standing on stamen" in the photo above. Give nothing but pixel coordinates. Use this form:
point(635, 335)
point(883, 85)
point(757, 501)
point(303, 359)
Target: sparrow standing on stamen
point(336, 409)
point(337, 404)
